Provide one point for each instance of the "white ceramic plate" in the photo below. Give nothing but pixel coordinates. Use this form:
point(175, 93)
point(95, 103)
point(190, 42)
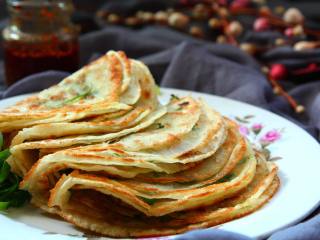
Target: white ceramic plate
point(299, 173)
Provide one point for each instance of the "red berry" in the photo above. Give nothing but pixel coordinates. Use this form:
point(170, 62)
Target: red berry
point(239, 4)
point(278, 72)
point(312, 67)
point(289, 32)
point(261, 24)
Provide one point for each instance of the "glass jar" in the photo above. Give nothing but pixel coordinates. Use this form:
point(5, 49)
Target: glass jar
point(40, 36)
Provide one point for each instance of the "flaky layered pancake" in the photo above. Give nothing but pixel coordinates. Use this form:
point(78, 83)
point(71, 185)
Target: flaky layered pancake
point(117, 162)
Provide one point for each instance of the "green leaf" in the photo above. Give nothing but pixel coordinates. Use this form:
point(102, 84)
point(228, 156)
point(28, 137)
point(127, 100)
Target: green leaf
point(13, 185)
point(10, 195)
point(4, 171)
point(4, 154)
point(1, 140)
point(150, 201)
point(18, 198)
point(4, 206)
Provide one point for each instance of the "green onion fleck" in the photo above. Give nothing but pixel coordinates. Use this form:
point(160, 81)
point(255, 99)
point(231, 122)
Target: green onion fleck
point(77, 98)
point(160, 125)
point(226, 178)
point(174, 97)
point(150, 201)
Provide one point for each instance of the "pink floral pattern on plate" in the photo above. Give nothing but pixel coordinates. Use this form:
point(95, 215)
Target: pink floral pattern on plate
point(258, 134)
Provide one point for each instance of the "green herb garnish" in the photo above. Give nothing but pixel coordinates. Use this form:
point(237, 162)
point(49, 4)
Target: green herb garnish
point(174, 97)
point(77, 98)
point(10, 194)
point(4, 205)
point(4, 171)
point(195, 127)
point(243, 160)
point(160, 125)
point(4, 155)
point(150, 201)
point(226, 178)
point(116, 154)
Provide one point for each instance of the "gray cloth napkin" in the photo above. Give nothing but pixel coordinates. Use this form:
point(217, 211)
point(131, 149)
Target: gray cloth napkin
point(178, 61)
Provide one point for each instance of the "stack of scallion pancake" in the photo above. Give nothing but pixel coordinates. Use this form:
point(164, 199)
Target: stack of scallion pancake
point(99, 150)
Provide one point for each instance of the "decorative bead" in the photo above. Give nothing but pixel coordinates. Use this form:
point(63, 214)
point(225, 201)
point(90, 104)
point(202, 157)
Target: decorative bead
point(223, 12)
point(278, 72)
point(289, 32)
point(299, 109)
point(236, 4)
point(276, 90)
point(214, 23)
point(161, 17)
point(248, 48)
point(178, 20)
point(298, 30)
point(196, 32)
point(113, 18)
point(312, 67)
point(280, 42)
point(303, 45)
point(201, 12)
point(234, 29)
point(265, 11)
point(261, 24)
point(132, 21)
point(146, 17)
point(265, 69)
point(293, 16)
point(221, 39)
point(279, 10)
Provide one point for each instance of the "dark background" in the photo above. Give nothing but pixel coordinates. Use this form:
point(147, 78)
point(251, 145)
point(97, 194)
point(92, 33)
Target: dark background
point(85, 10)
